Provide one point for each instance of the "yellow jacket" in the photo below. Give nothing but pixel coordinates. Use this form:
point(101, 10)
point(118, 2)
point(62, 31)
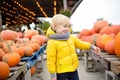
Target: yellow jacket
point(61, 54)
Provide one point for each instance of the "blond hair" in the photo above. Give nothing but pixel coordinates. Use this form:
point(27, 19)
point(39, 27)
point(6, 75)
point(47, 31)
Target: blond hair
point(60, 19)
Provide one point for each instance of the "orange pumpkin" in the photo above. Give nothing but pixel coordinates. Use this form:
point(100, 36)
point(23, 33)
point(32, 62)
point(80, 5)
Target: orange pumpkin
point(4, 70)
point(116, 29)
point(30, 33)
point(32, 69)
point(8, 35)
point(106, 30)
point(20, 50)
point(35, 46)
point(2, 53)
point(98, 25)
point(1, 43)
point(94, 38)
point(28, 51)
point(40, 39)
point(109, 47)
point(20, 34)
point(84, 32)
point(117, 44)
point(102, 40)
point(12, 59)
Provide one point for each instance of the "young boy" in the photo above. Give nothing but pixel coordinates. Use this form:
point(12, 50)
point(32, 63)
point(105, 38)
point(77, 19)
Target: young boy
point(62, 60)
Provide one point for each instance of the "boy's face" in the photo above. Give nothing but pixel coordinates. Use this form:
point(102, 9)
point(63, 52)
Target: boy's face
point(62, 29)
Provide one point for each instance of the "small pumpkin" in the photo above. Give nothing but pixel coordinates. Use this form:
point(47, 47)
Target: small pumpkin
point(33, 69)
point(4, 70)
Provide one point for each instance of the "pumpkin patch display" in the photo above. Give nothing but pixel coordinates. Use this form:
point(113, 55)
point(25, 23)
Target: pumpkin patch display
point(4, 70)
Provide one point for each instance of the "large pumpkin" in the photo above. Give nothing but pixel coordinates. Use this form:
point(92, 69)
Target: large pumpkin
point(12, 59)
point(84, 32)
point(109, 47)
point(102, 40)
point(8, 35)
point(4, 70)
point(98, 25)
point(40, 39)
point(117, 44)
point(106, 30)
point(30, 33)
point(116, 29)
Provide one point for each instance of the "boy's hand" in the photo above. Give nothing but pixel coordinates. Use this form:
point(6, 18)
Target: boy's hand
point(97, 50)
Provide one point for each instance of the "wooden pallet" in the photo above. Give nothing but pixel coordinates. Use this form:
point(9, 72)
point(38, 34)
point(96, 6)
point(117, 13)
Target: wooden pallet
point(16, 71)
point(104, 58)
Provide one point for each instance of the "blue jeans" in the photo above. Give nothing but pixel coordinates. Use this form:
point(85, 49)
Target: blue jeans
point(68, 76)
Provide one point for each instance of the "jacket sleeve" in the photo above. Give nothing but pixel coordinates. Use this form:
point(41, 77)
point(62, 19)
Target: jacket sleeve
point(81, 44)
point(51, 57)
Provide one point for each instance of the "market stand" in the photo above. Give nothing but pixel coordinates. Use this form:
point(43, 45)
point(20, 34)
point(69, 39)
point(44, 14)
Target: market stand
point(22, 70)
point(111, 63)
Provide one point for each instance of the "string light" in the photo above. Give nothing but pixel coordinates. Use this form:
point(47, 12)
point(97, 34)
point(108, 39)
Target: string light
point(55, 11)
point(41, 9)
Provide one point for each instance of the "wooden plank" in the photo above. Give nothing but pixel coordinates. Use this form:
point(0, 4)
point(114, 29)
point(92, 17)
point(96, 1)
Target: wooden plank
point(108, 60)
point(103, 53)
point(115, 67)
point(109, 56)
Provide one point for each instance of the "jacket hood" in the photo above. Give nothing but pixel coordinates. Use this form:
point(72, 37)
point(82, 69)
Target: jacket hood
point(49, 32)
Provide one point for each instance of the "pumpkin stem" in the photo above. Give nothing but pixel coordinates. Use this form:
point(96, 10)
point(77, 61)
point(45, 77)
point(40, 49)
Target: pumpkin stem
point(8, 46)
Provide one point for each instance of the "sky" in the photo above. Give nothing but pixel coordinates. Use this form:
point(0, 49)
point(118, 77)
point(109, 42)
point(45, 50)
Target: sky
point(89, 11)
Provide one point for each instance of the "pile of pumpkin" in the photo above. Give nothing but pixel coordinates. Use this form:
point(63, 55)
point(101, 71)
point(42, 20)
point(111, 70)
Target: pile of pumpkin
point(16, 45)
point(104, 35)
